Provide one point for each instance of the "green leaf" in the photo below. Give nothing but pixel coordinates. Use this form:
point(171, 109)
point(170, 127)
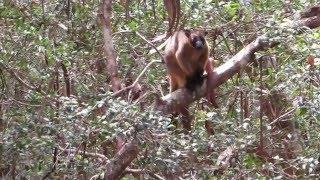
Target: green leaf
point(252, 161)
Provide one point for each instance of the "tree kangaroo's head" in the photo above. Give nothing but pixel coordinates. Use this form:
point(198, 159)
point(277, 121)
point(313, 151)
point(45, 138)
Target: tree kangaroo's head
point(196, 38)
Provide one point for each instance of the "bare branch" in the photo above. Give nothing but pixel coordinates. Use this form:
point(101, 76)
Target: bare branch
point(26, 84)
point(112, 67)
point(96, 155)
point(120, 162)
point(66, 78)
point(118, 93)
point(173, 9)
point(152, 45)
point(137, 79)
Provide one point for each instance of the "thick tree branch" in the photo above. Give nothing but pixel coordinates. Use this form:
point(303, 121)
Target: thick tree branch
point(123, 158)
point(312, 22)
point(313, 11)
point(66, 78)
point(112, 67)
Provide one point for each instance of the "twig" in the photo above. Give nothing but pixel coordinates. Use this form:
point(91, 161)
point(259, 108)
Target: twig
point(141, 98)
point(117, 93)
point(261, 108)
point(143, 38)
point(226, 43)
point(138, 171)
point(25, 104)
point(54, 163)
point(151, 44)
point(282, 116)
point(10, 71)
point(21, 81)
point(97, 155)
point(144, 70)
point(137, 79)
point(156, 176)
point(66, 78)
point(121, 32)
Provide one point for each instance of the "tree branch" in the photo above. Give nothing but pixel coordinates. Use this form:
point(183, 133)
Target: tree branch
point(112, 67)
point(66, 78)
point(26, 84)
point(95, 155)
point(312, 11)
point(119, 92)
point(152, 45)
point(116, 94)
point(123, 158)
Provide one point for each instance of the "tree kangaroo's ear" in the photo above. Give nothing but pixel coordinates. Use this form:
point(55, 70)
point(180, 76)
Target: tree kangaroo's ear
point(187, 32)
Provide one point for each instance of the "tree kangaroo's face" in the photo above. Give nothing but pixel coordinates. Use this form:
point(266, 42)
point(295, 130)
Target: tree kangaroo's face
point(196, 38)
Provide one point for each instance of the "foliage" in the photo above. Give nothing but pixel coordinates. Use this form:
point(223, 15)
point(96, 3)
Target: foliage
point(37, 117)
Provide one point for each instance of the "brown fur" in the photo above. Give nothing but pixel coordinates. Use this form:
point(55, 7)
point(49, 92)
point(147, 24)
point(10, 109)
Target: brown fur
point(184, 62)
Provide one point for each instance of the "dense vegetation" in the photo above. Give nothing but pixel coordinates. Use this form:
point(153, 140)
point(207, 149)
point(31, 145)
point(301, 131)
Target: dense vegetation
point(60, 118)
